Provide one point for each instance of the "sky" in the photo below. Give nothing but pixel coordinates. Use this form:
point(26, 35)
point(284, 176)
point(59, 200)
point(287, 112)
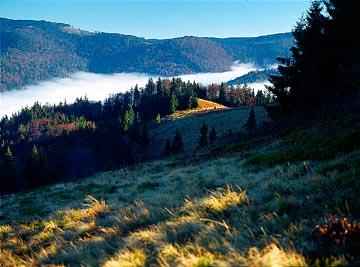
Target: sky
point(165, 19)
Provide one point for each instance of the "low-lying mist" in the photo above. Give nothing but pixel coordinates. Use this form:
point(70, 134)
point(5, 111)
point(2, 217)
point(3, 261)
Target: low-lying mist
point(100, 86)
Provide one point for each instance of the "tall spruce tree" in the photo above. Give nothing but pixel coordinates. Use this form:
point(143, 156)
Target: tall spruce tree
point(343, 33)
point(251, 122)
point(144, 137)
point(174, 103)
point(167, 149)
point(212, 135)
point(177, 144)
point(222, 94)
point(324, 70)
point(7, 181)
point(150, 87)
point(36, 171)
point(158, 118)
point(193, 102)
point(203, 140)
point(129, 118)
point(137, 96)
point(159, 88)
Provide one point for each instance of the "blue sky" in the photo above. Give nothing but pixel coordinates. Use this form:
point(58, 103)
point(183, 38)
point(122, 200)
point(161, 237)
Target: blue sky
point(165, 19)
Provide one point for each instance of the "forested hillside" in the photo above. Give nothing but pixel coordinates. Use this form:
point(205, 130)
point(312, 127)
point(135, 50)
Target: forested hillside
point(37, 50)
point(260, 50)
point(45, 144)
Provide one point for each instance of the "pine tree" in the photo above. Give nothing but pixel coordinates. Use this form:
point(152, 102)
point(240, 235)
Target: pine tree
point(144, 138)
point(193, 102)
point(137, 96)
point(222, 94)
point(260, 98)
point(7, 181)
point(177, 144)
point(251, 122)
point(159, 88)
point(343, 32)
point(174, 103)
point(8, 156)
point(167, 150)
point(212, 135)
point(35, 171)
point(150, 88)
point(158, 118)
point(203, 141)
point(129, 118)
point(324, 69)
point(135, 133)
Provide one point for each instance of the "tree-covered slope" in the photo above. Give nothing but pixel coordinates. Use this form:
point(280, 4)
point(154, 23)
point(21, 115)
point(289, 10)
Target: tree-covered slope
point(254, 76)
point(37, 50)
point(262, 50)
point(32, 51)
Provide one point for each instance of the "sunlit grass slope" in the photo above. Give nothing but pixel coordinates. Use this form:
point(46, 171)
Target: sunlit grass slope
point(226, 121)
point(204, 106)
point(230, 206)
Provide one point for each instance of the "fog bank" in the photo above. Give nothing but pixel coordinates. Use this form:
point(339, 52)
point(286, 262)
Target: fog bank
point(98, 87)
point(260, 85)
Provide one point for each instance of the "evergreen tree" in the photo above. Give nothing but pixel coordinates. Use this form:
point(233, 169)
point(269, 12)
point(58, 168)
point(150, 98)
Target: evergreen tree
point(35, 171)
point(222, 94)
point(158, 118)
point(260, 98)
point(343, 32)
point(167, 150)
point(7, 181)
point(203, 141)
point(251, 122)
point(159, 88)
point(144, 138)
point(177, 144)
point(174, 103)
point(150, 88)
point(212, 135)
point(324, 69)
point(137, 96)
point(129, 118)
point(193, 102)
point(135, 133)
point(8, 156)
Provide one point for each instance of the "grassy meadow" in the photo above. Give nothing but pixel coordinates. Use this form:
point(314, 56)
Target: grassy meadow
point(226, 121)
point(279, 201)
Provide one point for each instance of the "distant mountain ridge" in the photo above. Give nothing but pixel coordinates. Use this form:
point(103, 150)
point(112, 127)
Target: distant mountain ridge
point(32, 51)
point(254, 76)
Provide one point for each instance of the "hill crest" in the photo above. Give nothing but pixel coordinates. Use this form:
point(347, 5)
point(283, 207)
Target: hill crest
point(42, 50)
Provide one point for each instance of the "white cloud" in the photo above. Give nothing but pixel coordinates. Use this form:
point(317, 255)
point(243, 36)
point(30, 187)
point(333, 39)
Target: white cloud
point(260, 85)
point(237, 70)
point(94, 86)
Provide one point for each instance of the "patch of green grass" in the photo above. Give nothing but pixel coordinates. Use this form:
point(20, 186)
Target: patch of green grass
point(343, 164)
point(147, 185)
point(205, 262)
point(313, 144)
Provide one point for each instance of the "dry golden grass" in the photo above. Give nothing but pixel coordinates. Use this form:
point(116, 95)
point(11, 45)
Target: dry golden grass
point(216, 212)
point(204, 107)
